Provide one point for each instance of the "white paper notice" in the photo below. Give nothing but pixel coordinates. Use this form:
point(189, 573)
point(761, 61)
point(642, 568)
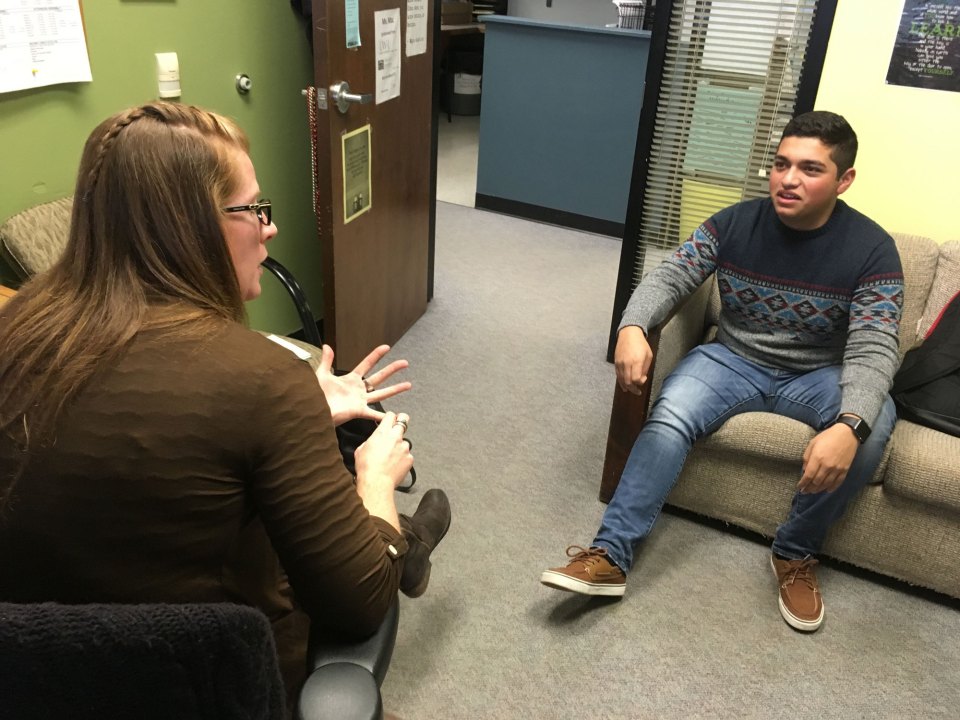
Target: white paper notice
point(387, 24)
point(416, 27)
point(41, 43)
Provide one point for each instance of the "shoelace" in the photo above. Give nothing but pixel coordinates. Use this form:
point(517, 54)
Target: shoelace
point(803, 572)
point(585, 555)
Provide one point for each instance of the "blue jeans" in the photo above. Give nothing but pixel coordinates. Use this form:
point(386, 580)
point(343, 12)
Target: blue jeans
point(709, 386)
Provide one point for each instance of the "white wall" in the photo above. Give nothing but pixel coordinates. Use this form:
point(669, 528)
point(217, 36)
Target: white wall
point(596, 13)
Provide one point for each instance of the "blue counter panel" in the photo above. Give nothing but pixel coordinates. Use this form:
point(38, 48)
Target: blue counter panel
point(559, 116)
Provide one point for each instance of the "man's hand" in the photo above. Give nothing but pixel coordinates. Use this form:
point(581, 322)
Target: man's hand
point(827, 459)
point(632, 359)
point(348, 395)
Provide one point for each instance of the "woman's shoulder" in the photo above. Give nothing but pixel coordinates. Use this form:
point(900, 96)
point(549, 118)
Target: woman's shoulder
point(226, 353)
point(234, 379)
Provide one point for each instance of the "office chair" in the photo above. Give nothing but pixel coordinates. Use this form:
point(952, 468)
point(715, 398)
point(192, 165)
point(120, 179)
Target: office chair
point(311, 333)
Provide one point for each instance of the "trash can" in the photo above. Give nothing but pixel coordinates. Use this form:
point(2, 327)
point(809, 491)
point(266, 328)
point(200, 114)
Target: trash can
point(464, 80)
point(465, 99)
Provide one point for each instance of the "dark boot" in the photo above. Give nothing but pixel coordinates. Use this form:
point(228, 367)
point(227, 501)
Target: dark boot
point(423, 531)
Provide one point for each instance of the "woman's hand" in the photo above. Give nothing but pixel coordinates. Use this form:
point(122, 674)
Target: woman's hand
point(383, 461)
point(349, 395)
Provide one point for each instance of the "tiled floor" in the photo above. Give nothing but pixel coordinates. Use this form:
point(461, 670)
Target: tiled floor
point(457, 143)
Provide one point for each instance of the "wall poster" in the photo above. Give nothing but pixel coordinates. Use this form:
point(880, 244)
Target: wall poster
point(926, 53)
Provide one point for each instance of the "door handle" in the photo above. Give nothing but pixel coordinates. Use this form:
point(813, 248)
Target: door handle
point(341, 95)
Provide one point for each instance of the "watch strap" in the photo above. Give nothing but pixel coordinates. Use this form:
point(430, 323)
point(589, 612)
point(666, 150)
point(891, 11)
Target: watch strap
point(859, 426)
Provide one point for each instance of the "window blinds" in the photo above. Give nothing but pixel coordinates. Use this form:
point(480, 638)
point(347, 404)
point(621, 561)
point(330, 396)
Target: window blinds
point(730, 77)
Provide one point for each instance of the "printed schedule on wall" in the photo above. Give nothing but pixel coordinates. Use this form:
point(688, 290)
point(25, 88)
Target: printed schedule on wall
point(41, 43)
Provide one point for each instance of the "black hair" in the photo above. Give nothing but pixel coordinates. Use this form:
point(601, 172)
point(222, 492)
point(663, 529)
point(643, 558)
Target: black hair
point(832, 130)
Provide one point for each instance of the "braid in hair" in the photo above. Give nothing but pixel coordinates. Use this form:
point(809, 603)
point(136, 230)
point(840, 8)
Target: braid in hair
point(106, 142)
point(173, 114)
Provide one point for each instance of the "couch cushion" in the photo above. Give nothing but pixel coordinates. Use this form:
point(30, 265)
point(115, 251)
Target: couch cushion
point(778, 438)
point(918, 256)
point(773, 438)
point(32, 240)
point(924, 465)
point(946, 284)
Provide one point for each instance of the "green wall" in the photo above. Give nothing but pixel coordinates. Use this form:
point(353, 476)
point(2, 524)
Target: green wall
point(42, 131)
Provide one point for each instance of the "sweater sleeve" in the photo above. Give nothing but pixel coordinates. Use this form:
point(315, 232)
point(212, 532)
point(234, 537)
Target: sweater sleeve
point(343, 564)
point(872, 356)
point(673, 280)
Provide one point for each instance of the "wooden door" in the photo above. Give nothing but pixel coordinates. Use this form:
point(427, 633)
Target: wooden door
point(376, 267)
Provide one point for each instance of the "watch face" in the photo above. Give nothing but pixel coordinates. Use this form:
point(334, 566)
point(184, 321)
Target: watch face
point(859, 427)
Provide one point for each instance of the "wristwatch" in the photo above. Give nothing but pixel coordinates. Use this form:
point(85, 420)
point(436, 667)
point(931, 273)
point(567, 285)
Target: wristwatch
point(858, 425)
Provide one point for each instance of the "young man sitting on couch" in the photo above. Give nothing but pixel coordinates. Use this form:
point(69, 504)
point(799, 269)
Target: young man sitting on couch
point(811, 293)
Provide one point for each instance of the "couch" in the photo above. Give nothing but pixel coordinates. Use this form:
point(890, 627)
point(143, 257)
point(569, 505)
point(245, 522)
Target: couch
point(905, 525)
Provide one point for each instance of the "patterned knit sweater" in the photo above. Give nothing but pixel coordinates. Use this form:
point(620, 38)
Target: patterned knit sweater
point(793, 300)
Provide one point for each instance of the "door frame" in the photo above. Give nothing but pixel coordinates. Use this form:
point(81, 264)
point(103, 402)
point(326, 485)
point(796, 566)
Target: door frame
point(434, 145)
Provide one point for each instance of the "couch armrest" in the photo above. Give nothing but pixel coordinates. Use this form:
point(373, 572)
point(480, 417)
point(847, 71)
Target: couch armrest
point(679, 334)
point(682, 332)
point(344, 678)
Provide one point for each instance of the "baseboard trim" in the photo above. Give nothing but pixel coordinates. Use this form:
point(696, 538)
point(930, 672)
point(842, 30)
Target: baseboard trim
point(548, 215)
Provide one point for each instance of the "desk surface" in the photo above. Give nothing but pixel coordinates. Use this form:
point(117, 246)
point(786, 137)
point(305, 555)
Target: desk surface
point(462, 29)
point(500, 22)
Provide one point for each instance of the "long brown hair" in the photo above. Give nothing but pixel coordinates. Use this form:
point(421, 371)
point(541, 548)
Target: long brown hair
point(145, 247)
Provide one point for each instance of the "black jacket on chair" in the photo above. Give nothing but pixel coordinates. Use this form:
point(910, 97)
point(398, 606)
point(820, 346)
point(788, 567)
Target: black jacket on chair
point(175, 662)
point(149, 662)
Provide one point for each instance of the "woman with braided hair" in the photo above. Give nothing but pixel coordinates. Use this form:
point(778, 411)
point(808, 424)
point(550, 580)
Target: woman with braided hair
point(152, 448)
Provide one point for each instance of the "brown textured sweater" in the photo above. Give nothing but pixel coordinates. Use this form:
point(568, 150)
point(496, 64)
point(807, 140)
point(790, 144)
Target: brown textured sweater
point(190, 471)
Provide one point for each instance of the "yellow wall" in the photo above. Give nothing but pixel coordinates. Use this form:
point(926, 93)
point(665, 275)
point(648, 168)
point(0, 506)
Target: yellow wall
point(909, 139)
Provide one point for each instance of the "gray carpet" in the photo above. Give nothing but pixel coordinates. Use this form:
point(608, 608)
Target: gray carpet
point(509, 415)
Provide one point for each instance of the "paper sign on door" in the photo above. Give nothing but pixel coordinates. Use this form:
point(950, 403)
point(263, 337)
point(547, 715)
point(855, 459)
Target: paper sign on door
point(387, 24)
point(356, 173)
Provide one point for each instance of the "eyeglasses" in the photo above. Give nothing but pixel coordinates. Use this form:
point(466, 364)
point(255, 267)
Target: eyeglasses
point(262, 208)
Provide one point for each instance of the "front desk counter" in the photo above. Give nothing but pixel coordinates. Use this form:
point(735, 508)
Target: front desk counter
point(558, 121)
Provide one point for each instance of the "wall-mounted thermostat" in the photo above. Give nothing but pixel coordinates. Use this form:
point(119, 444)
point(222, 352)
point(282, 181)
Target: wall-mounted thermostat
point(168, 75)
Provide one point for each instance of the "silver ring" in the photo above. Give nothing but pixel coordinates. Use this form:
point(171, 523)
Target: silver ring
point(368, 386)
point(404, 423)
